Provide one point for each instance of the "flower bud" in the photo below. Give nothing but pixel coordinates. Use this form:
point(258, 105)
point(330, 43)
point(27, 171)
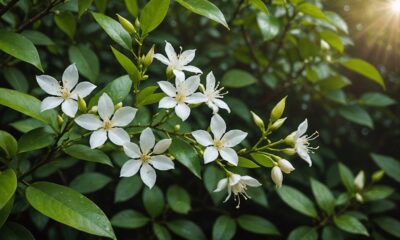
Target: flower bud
point(359, 181)
point(285, 166)
point(289, 151)
point(60, 120)
point(377, 176)
point(148, 59)
point(289, 140)
point(126, 24)
point(202, 88)
point(118, 106)
point(93, 110)
point(169, 72)
point(277, 111)
point(277, 124)
point(277, 177)
point(258, 121)
point(325, 45)
point(359, 198)
point(82, 105)
point(177, 127)
point(137, 23)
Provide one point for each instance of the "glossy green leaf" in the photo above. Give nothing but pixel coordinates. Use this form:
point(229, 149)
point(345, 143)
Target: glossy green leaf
point(20, 47)
point(331, 233)
point(186, 154)
point(364, 68)
point(117, 89)
point(206, 9)
point(260, 5)
point(323, 195)
point(67, 23)
point(346, 176)
point(256, 224)
point(16, 79)
point(161, 232)
point(132, 6)
point(246, 163)
point(89, 182)
point(376, 99)
point(337, 21)
point(357, 115)
point(69, 207)
point(114, 30)
point(127, 188)
point(85, 60)
point(8, 183)
point(83, 6)
point(84, 152)
point(5, 211)
point(211, 177)
point(298, 201)
point(224, 228)
point(268, 25)
point(388, 164)
point(312, 10)
point(153, 14)
point(334, 82)
point(8, 143)
point(153, 201)
point(130, 219)
point(178, 199)
point(127, 64)
point(186, 229)
point(258, 196)
point(36, 139)
point(303, 233)
point(37, 38)
point(350, 224)
point(333, 39)
point(378, 192)
point(262, 159)
point(237, 78)
point(15, 231)
point(389, 225)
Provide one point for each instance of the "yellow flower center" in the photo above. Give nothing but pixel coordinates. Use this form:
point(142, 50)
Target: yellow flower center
point(180, 98)
point(144, 157)
point(65, 93)
point(107, 124)
point(218, 144)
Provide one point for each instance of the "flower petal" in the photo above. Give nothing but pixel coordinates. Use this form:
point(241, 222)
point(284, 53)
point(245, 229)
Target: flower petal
point(147, 140)
point(161, 58)
point(98, 138)
point(69, 107)
point(304, 155)
point(252, 182)
point(167, 88)
point(179, 77)
point(161, 162)
point(50, 102)
point(301, 129)
point(183, 111)
point(162, 146)
point(167, 102)
point(203, 137)
point(70, 77)
point(170, 51)
point(233, 137)
point(118, 136)
point(191, 84)
point(234, 179)
point(49, 84)
point(130, 168)
point(221, 185)
point(82, 90)
point(196, 98)
point(229, 155)
point(187, 56)
point(222, 104)
point(218, 126)
point(123, 116)
point(192, 69)
point(210, 81)
point(105, 107)
point(132, 150)
point(89, 121)
point(210, 154)
point(148, 175)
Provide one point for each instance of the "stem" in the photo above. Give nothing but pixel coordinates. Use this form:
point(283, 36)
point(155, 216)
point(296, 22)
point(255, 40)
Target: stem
point(236, 13)
point(7, 7)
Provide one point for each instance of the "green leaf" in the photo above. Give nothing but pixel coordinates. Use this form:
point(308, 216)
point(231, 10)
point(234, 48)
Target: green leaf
point(84, 152)
point(83, 6)
point(27, 105)
point(211, 177)
point(376, 99)
point(237, 78)
point(36, 139)
point(89, 182)
point(262, 159)
point(377, 192)
point(206, 9)
point(132, 6)
point(331, 233)
point(178, 199)
point(312, 10)
point(15, 231)
point(303, 233)
point(114, 30)
point(334, 82)
point(117, 89)
point(364, 68)
point(130, 219)
point(224, 228)
point(323, 195)
point(298, 201)
point(186, 154)
point(153, 14)
point(16, 79)
point(8, 144)
point(247, 163)
point(337, 21)
point(20, 47)
point(153, 200)
point(388, 164)
point(69, 207)
point(67, 23)
point(258, 195)
point(8, 183)
point(256, 224)
point(127, 64)
point(161, 232)
point(268, 25)
point(389, 225)
point(333, 39)
point(346, 176)
point(357, 115)
point(127, 188)
point(5, 211)
point(86, 61)
point(350, 224)
point(260, 5)
point(186, 229)
point(38, 38)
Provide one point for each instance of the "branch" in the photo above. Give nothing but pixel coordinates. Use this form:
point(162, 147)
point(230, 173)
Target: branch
point(7, 7)
point(237, 10)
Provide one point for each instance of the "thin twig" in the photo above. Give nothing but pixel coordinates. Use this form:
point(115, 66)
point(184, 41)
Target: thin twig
point(7, 7)
point(236, 13)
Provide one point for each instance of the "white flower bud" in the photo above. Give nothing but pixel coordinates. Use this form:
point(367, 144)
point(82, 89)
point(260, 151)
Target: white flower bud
point(377, 176)
point(359, 181)
point(258, 121)
point(289, 140)
point(118, 106)
point(277, 124)
point(277, 111)
point(285, 166)
point(359, 197)
point(277, 177)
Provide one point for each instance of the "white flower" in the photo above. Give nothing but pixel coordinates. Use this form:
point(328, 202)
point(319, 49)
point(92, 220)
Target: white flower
point(214, 95)
point(109, 123)
point(302, 144)
point(67, 94)
point(222, 143)
point(144, 158)
point(238, 185)
point(285, 166)
point(178, 62)
point(181, 94)
point(277, 176)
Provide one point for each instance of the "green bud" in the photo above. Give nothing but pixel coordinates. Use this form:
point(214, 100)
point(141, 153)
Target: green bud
point(137, 23)
point(82, 105)
point(359, 180)
point(289, 151)
point(277, 124)
point(258, 121)
point(177, 127)
point(359, 198)
point(118, 106)
point(289, 140)
point(93, 110)
point(126, 24)
point(241, 151)
point(378, 175)
point(148, 59)
point(169, 72)
point(277, 111)
point(144, 77)
point(60, 120)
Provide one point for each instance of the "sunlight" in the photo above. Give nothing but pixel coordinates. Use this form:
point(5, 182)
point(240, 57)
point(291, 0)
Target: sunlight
point(395, 6)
